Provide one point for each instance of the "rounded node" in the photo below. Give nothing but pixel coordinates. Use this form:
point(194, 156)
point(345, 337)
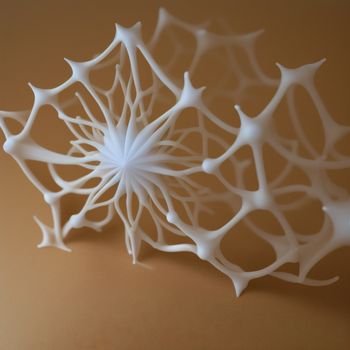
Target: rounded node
point(209, 165)
point(76, 221)
point(204, 251)
point(171, 217)
point(49, 198)
point(261, 199)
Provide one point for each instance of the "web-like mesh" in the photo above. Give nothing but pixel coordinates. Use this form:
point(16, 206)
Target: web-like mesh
point(146, 144)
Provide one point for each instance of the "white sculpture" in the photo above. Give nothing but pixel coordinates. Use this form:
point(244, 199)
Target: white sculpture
point(144, 163)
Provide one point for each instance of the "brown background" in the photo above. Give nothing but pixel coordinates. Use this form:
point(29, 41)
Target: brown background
point(95, 298)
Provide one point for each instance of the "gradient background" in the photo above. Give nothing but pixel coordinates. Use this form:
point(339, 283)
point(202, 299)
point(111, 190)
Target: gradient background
point(95, 298)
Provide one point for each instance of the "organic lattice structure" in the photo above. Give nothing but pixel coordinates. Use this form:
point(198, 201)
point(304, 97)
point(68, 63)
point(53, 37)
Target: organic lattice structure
point(149, 148)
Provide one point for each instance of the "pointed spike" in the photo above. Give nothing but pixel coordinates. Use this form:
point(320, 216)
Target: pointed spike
point(279, 65)
point(49, 239)
point(239, 284)
point(318, 63)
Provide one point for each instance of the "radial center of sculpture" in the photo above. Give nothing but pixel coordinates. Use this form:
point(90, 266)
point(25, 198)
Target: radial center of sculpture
point(128, 152)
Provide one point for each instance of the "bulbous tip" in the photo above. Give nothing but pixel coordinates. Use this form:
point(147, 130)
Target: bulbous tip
point(201, 32)
point(237, 108)
point(162, 11)
point(9, 145)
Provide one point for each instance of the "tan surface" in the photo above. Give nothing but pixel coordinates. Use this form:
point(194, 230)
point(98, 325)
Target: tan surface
point(95, 298)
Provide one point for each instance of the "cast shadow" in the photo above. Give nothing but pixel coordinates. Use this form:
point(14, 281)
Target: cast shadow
point(335, 296)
